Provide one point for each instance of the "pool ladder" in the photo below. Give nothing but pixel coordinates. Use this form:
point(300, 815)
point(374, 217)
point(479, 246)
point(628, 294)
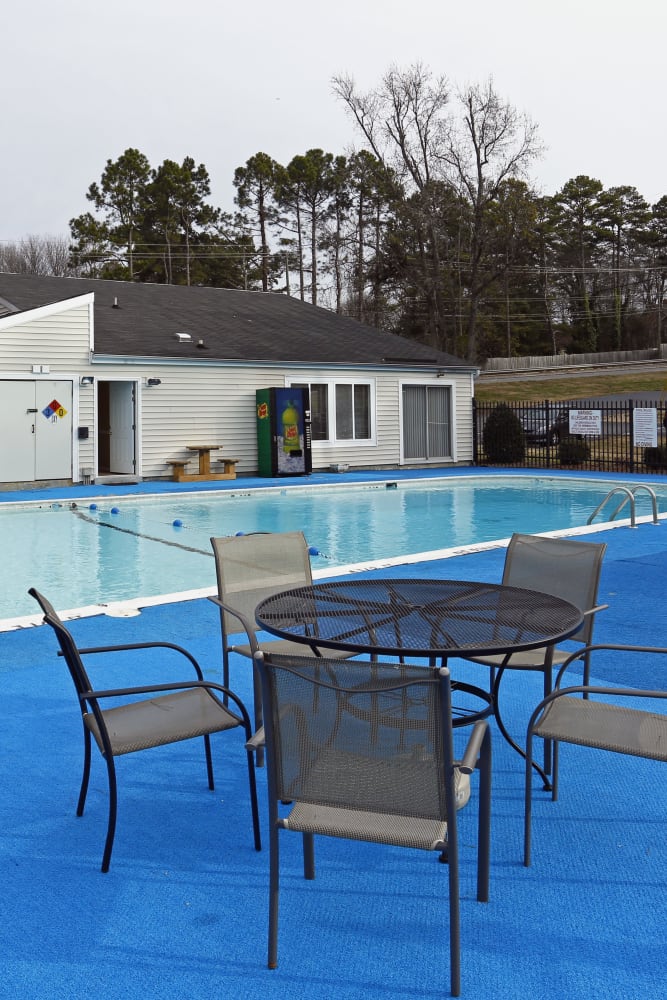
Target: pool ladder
point(628, 496)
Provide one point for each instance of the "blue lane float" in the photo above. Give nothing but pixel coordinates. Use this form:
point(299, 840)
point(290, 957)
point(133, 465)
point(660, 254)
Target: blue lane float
point(177, 523)
point(92, 506)
point(115, 510)
point(313, 550)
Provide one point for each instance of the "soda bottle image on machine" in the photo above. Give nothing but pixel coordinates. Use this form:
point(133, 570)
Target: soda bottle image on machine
point(283, 431)
point(290, 422)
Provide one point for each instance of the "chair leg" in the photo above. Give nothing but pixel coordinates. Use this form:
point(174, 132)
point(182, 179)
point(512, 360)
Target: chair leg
point(454, 910)
point(528, 806)
point(225, 668)
point(587, 672)
point(113, 809)
point(253, 801)
point(86, 772)
point(274, 862)
point(554, 777)
point(484, 821)
point(548, 684)
point(308, 856)
point(259, 718)
point(209, 762)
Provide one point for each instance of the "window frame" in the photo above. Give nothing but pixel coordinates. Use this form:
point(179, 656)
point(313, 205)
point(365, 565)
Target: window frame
point(332, 382)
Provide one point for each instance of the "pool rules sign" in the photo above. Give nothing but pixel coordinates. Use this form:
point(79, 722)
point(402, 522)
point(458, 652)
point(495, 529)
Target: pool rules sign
point(645, 427)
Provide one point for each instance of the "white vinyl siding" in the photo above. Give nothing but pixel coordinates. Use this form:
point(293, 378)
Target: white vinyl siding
point(60, 339)
point(210, 402)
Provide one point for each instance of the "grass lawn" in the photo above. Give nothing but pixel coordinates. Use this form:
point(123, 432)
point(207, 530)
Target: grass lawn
point(570, 387)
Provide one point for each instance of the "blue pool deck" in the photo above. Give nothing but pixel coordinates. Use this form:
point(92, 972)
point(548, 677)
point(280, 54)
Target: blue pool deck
point(182, 912)
point(79, 491)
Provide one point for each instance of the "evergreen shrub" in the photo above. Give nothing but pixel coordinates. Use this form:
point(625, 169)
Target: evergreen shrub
point(503, 436)
point(573, 451)
point(656, 458)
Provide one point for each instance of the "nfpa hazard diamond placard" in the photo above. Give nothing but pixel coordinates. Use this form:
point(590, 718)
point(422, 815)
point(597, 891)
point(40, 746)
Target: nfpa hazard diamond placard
point(54, 410)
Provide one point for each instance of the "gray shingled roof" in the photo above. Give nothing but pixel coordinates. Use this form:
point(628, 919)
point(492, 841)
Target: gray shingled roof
point(142, 320)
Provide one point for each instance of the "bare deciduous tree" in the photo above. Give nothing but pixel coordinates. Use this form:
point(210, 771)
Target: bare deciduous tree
point(405, 123)
point(492, 143)
point(43, 255)
point(411, 126)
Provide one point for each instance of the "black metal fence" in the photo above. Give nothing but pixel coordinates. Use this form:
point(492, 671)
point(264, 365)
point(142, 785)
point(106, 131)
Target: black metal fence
point(601, 436)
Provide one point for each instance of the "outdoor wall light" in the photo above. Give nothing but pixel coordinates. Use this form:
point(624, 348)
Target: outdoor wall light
point(86, 380)
point(153, 381)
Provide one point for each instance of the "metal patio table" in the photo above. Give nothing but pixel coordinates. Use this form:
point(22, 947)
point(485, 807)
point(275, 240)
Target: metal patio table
point(432, 619)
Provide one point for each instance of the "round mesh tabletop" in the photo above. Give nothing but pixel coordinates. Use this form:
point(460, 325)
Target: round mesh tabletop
point(422, 617)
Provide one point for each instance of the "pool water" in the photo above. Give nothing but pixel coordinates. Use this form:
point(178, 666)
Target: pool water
point(114, 550)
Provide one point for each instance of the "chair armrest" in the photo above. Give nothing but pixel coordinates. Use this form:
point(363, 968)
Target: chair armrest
point(594, 611)
point(257, 740)
point(248, 628)
point(595, 689)
point(469, 760)
point(585, 650)
point(142, 645)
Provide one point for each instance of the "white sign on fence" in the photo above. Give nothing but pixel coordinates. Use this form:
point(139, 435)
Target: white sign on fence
point(645, 427)
point(587, 422)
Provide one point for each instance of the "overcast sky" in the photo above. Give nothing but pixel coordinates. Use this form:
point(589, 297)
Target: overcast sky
point(220, 80)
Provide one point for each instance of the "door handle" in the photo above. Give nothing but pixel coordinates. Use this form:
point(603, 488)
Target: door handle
point(32, 410)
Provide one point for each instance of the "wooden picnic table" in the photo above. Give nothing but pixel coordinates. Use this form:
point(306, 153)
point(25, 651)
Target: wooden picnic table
point(179, 465)
point(204, 451)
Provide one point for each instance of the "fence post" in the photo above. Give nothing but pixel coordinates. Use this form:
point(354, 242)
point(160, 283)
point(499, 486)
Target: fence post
point(475, 436)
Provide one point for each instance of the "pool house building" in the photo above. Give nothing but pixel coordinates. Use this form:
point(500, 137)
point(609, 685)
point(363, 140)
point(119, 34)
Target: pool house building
point(111, 381)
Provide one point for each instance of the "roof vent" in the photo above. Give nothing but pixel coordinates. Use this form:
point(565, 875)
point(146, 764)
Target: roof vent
point(183, 338)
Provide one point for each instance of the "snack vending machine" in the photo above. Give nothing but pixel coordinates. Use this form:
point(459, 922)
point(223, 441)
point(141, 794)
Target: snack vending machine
point(283, 432)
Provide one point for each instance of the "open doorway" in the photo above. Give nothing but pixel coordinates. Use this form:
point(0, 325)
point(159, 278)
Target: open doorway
point(116, 428)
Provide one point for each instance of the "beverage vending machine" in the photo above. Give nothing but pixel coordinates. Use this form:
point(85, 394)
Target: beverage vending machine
point(283, 432)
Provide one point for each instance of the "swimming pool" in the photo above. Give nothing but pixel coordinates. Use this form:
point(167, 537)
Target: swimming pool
point(103, 551)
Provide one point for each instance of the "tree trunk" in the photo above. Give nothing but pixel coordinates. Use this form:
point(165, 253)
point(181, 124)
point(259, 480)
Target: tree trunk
point(313, 255)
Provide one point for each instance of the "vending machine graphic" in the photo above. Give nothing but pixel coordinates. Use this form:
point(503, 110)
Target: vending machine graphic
point(283, 432)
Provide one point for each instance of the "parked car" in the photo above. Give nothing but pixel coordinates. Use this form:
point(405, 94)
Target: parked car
point(545, 425)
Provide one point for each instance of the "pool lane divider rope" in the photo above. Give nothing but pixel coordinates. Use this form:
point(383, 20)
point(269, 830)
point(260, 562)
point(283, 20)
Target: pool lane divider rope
point(312, 549)
point(139, 534)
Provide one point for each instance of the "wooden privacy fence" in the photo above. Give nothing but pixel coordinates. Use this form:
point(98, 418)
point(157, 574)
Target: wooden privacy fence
point(618, 436)
point(531, 364)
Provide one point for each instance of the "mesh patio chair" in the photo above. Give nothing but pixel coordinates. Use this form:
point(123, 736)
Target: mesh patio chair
point(369, 757)
point(577, 714)
point(146, 716)
point(250, 568)
point(567, 569)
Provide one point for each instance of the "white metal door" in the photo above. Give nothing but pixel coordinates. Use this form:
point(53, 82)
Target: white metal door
point(36, 425)
point(122, 424)
point(17, 439)
point(53, 430)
